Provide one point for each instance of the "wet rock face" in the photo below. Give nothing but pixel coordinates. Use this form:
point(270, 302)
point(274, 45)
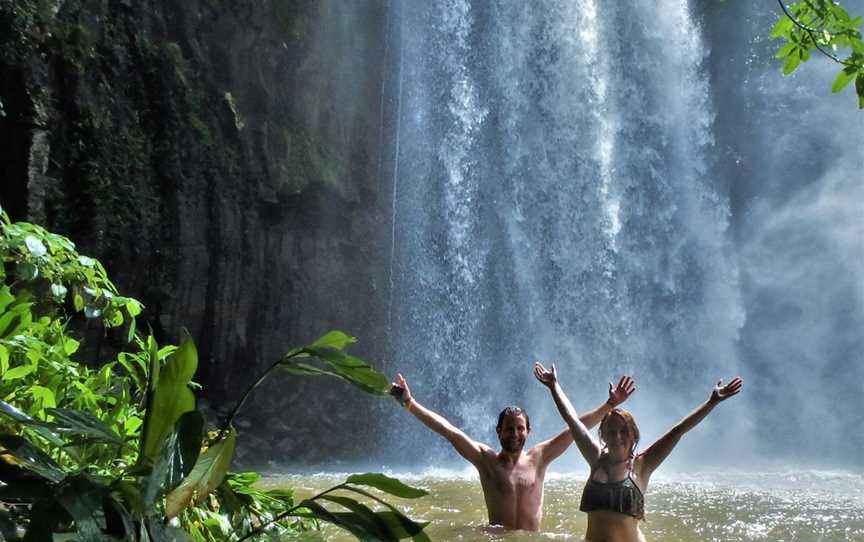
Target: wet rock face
point(222, 159)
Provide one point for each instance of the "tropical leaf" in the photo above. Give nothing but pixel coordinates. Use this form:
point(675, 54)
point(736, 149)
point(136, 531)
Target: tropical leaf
point(349, 521)
point(386, 484)
point(206, 475)
point(365, 517)
point(171, 397)
point(411, 527)
point(80, 422)
point(43, 429)
point(179, 453)
point(82, 498)
point(349, 368)
point(32, 458)
point(336, 340)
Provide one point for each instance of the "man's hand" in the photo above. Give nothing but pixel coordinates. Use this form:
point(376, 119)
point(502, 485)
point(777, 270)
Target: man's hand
point(721, 392)
point(400, 390)
point(620, 393)
point(547, 378)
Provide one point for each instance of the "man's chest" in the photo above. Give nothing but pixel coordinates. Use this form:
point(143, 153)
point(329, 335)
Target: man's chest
point(520, 479)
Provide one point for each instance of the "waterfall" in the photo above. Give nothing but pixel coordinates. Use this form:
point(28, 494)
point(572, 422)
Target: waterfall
point(559, 199)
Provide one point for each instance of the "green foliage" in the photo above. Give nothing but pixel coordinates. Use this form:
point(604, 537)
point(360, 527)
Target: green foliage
point(386, 524)
point(824, 26)
point(115, 452)
point(170, 396)
point(46, 265)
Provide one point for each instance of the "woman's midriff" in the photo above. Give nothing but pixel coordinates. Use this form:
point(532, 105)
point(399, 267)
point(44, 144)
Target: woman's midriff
point(606, 526)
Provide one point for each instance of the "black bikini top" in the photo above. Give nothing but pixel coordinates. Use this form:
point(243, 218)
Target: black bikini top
point(623, 496)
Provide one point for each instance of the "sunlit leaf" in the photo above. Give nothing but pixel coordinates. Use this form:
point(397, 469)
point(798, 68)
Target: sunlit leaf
point(784, 51)
point(6, 298)
point(792, 62)
point(19, 372)
point(35, 246)
point(171, 398)
point(782, 27)
point(333, 339)
point(43, 394)
point(844, 77)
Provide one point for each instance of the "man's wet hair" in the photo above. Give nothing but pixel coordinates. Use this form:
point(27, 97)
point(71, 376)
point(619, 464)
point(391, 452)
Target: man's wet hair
point(513, 411)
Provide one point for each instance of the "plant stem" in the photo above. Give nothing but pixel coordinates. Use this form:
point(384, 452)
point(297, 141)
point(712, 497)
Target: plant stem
point(230, 418)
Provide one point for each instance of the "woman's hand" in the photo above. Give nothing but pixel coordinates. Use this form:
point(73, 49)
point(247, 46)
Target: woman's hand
point(625, 388)
point(721, 392)
point(400, 390)
point(547, 378)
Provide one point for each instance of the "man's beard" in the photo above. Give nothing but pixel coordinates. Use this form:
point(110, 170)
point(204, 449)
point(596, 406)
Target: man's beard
point(512, 446)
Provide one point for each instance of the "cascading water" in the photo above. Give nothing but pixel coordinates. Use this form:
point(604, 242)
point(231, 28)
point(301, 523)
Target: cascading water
point(556, 200)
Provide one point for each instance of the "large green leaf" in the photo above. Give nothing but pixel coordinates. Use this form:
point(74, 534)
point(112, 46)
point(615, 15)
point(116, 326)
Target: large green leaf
point(82, 497)
point(178, 456)
point(171, 397)
point(32, 458)
point(206, 475)
point(387, 485)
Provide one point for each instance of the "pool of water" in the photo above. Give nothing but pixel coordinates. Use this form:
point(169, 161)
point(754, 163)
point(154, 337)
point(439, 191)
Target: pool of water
point(781, 506)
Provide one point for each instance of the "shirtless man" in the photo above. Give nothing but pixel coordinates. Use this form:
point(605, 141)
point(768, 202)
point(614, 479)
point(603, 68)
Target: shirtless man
point(512, 479)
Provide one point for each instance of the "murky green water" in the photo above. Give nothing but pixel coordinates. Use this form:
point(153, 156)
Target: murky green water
point(805, 507)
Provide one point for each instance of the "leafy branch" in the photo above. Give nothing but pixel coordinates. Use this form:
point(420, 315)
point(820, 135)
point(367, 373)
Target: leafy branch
point(824, 26)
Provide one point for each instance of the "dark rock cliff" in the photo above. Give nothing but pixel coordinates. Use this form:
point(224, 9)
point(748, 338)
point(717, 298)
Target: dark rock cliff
point(222, 159)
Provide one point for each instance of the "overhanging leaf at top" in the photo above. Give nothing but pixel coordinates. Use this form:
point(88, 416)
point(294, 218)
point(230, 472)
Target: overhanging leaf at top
point(349, 368)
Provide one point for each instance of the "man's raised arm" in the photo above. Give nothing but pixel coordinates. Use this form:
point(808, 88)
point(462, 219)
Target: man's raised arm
point(467, 448)
point(556, 446)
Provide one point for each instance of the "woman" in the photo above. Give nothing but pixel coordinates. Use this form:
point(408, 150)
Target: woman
point(614, 494)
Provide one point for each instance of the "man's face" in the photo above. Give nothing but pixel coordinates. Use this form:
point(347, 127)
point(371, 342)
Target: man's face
point(512, 433)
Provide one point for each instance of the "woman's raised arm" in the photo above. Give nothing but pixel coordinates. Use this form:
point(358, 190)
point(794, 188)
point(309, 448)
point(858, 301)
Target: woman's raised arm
point(654, 455)
point(589, 447)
